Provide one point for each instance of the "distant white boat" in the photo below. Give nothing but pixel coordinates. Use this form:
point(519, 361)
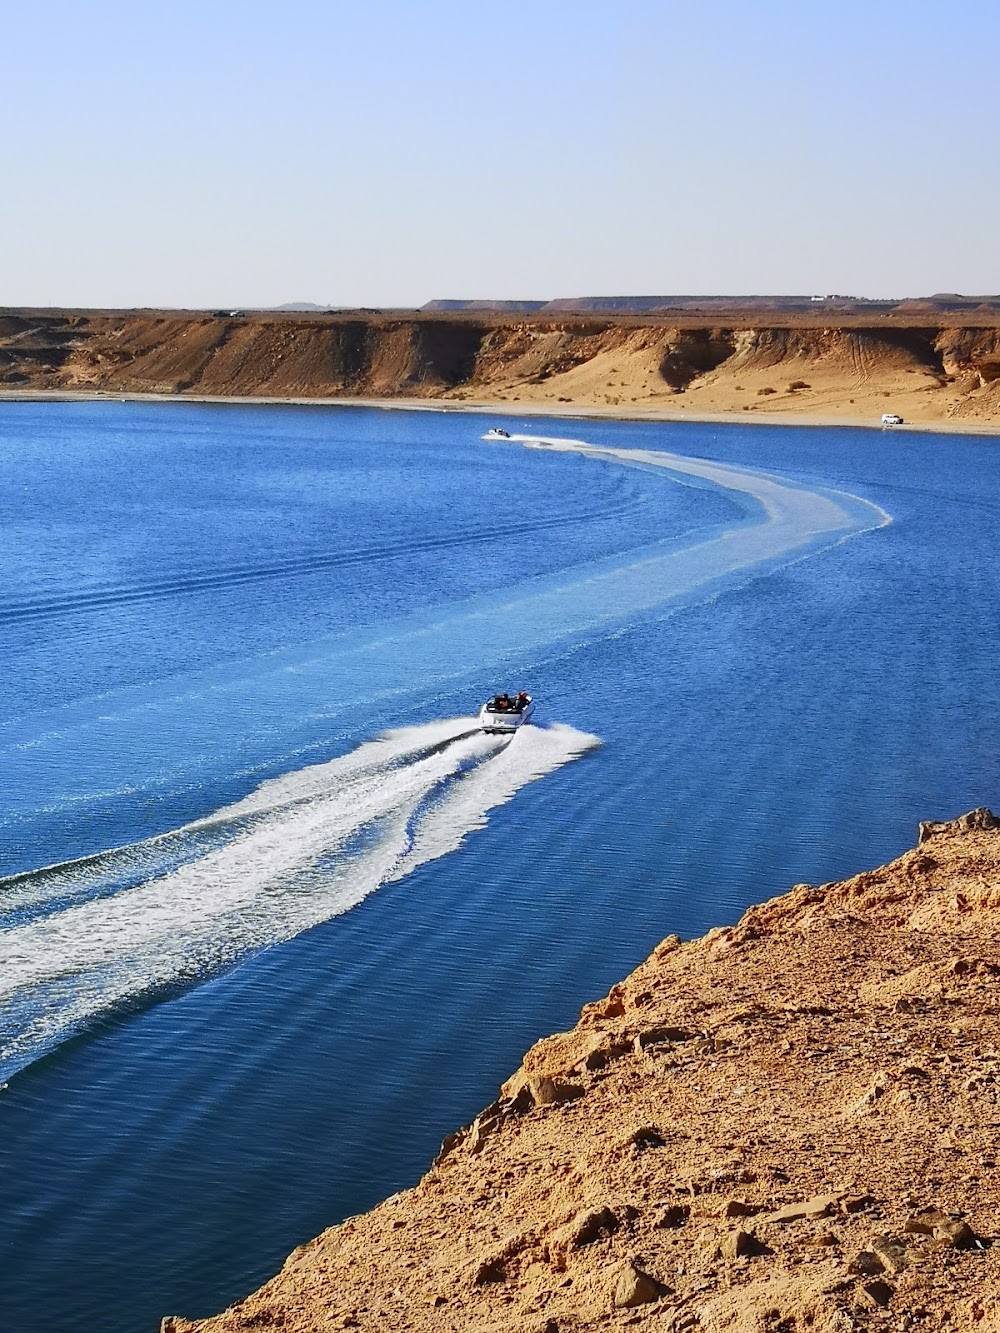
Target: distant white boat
point(506, 712)
point(497, 433)
point(891, 419)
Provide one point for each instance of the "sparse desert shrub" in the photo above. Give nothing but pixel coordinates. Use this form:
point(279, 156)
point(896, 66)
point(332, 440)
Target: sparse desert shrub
point(761, 392)
point(797, 384)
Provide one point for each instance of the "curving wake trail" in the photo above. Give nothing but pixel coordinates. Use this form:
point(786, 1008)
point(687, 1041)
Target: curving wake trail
point(79, 759)
point(106, 930)
point(784, 518)
point(83, 937)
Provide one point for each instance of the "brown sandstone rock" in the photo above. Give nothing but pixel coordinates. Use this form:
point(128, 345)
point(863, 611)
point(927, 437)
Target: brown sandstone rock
point(820, 1205)
point(636, 1287)
point(950, 1231)
point(738, 1244)
point(553, 1092)
point(959, 1235)
point(821, 1240)
point(666, 947)
point(523, 1091)
point(739, 1208)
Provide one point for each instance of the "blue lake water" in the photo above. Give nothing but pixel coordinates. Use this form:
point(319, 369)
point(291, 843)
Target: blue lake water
point(274, 918)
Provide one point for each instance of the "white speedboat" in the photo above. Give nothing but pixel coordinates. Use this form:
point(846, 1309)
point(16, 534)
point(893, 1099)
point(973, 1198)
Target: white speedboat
point(497, 433)
point(506, 712)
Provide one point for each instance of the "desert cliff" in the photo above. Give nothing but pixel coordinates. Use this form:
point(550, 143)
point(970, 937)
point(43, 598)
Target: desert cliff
point(923, 367)
point(786, 1125)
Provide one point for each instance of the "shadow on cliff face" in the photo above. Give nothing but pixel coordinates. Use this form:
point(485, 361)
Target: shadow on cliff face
point(695, 353)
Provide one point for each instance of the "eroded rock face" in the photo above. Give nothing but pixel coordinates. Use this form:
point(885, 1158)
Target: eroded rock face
point(751, 361)
point(980, 818)
point(789, 1124)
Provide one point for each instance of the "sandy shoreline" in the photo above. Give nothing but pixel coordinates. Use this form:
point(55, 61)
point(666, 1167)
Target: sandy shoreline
point(507, 409)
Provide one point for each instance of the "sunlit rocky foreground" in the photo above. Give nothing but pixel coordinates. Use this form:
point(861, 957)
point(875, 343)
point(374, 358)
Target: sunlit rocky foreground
point(788, 1124)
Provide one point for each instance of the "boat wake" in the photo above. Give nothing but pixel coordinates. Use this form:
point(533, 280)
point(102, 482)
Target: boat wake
point(89, 936)
point(84, 937)
point(77, 764)
point(791, 516)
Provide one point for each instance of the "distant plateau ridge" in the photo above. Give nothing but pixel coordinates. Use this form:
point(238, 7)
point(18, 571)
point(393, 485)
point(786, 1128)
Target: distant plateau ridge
point(819, 362)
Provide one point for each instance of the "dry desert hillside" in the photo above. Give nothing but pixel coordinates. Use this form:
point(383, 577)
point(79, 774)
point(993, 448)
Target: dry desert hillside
point(789, 1125)
point(942, 367)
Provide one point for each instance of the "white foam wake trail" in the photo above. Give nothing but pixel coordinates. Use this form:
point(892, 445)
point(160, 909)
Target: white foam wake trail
point(167, 734)
point(372, 757)
point(797, 514)
point(296, 852)
point(105, 871)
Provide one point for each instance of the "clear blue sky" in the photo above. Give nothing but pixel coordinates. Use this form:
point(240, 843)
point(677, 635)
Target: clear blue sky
point(383, 153)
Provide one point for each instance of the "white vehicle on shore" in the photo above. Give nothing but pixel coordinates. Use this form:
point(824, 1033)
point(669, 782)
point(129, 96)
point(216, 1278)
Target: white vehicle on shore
point(506, 712)
point(497, 433)
point(891, 419)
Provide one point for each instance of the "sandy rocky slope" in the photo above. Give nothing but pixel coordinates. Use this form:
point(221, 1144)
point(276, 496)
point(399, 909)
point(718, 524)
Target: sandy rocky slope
point(786, 1125)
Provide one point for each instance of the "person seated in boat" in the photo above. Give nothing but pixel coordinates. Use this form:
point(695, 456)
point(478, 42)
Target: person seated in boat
point(502, 702)
point(521, 702)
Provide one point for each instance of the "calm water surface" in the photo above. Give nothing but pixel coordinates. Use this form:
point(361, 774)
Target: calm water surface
point(256, 961)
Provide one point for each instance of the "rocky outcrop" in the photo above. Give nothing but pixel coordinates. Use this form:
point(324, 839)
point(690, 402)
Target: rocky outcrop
point(788, 1124)
point(981, 818)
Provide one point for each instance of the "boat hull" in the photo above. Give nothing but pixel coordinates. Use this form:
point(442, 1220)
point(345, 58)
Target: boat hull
point(503, 723)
